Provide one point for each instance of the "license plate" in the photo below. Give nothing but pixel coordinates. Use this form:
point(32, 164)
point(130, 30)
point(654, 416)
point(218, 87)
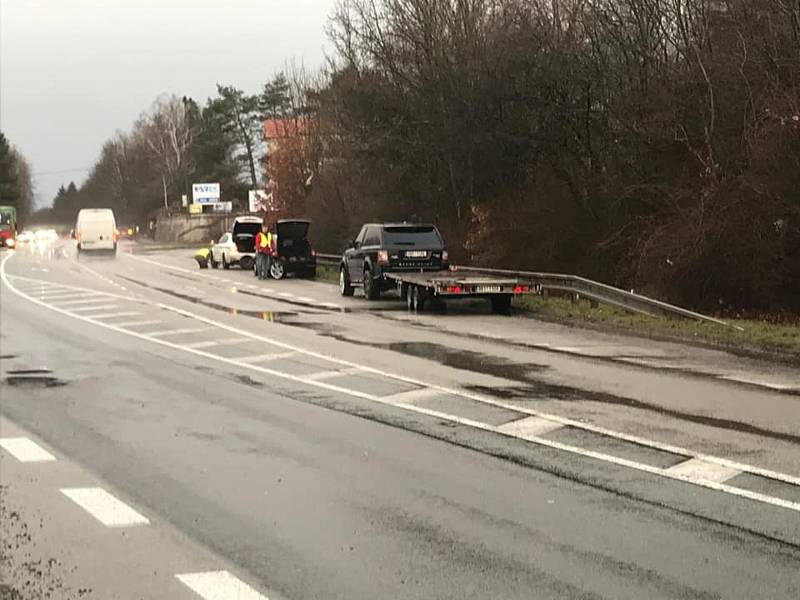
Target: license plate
point(416, 253)
point(488, 289)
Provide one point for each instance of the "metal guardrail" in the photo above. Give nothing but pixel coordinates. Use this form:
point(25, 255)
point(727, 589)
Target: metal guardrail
point(586, 288)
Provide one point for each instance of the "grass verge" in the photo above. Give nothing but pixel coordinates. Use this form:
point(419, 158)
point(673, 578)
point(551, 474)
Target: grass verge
point(756, 337)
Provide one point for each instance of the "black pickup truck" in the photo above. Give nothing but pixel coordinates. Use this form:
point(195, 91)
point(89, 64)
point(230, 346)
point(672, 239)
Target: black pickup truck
point(412, 258)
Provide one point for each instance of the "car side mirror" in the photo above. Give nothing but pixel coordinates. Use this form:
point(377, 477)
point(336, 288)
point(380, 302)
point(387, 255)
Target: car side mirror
point(354, 244)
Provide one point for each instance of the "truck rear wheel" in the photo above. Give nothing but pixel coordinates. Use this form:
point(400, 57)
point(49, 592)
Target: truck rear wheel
point(501, 305)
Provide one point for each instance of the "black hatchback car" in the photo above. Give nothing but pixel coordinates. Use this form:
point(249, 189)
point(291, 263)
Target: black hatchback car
point(293, 249)
point(389, 248)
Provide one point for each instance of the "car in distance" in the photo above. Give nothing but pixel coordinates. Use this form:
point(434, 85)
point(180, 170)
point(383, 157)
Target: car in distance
point(293, 251)
point(238, 246)
point(382, 248)
point(96, 230)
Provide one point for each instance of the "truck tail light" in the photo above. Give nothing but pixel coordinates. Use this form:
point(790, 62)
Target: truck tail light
point(383, 257)
point(521, 289)
point(313, 252)
point(454, 289)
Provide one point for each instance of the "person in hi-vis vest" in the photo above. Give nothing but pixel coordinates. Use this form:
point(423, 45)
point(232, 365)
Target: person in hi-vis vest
point(263, 252)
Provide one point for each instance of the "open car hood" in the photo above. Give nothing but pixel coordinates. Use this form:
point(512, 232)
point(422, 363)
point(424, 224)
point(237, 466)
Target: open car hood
point(292, 229)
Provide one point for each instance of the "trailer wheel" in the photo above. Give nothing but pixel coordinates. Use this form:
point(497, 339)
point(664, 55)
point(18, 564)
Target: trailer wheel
point(501, 305)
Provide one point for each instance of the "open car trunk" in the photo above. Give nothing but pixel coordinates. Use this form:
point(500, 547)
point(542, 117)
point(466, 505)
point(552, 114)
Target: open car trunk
point(293, 239)
point(244, 235)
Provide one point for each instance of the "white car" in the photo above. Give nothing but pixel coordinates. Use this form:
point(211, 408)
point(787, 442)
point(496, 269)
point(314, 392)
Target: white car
point(237, 247)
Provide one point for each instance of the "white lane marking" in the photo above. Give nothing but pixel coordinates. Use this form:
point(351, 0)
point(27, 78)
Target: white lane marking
point(67, 295)
point(104, 507)
point(529, 427)
point(219, 585)
point(758, 382)
point(568, 349)
point(79, 302)
point(249, 360)
point(464, 421)
point(114, 315)
point(90, 308)
point(170, 332)
point(224, 342)
point(321, 375)
point(412, 396)
point(697, 469)
point(306, 299)
point(286, 294)
point(137, 323)
point(25, 450)
point(330, 305)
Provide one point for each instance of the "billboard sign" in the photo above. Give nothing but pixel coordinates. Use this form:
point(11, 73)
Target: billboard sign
point(205, 193)
point(259, 201)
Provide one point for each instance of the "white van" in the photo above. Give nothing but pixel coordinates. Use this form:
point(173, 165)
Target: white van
point(96, 229)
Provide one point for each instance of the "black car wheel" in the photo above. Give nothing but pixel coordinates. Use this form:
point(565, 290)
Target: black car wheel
point(277, 269)
point(372, 290)
point(225, 264)
point(345, 288)
point(211, 262)
point(246, 263)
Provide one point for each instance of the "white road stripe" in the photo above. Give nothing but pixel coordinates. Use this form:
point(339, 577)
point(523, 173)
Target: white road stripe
point(25, 450)
point(219, 585)
point(569, 349)
point(248, 360)
point(65, 295)
point(214, 343)
point(412, 396)
point(320, 376)
point(78, 302)
point(758, 382)
point(286, 294)
point(697, 469)
point(90, 308)
point(306, 299)
point(104, 507)
point(114, 315)
point(529, 427)
point(135, 323)
point(330, 305)
point(169, 332)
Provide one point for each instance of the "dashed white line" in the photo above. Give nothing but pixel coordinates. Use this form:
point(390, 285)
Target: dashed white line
point(224, 342)
point(104, 507)
point(262, 357)
point(758, 382)
point(170, 332)
point(412, 396)
point(137, 323)
point(286, 294)
point(530, 427)
point(219, 585)
point(306, 299)
point(91, 308)
point(698, 469)
point(114, 315)
point(25, 450)
point(322, 375)
point(79, 302)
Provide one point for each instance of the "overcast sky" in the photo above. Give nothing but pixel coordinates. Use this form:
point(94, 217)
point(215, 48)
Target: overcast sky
point(74, 71)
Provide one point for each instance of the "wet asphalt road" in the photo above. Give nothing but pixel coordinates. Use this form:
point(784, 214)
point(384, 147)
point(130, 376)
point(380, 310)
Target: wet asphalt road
point(347, 450)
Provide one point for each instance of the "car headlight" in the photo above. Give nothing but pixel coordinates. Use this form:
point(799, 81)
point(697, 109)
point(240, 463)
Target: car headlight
point(10, 242)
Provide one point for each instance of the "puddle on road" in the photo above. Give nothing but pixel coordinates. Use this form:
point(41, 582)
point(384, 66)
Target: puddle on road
point(46, 381)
